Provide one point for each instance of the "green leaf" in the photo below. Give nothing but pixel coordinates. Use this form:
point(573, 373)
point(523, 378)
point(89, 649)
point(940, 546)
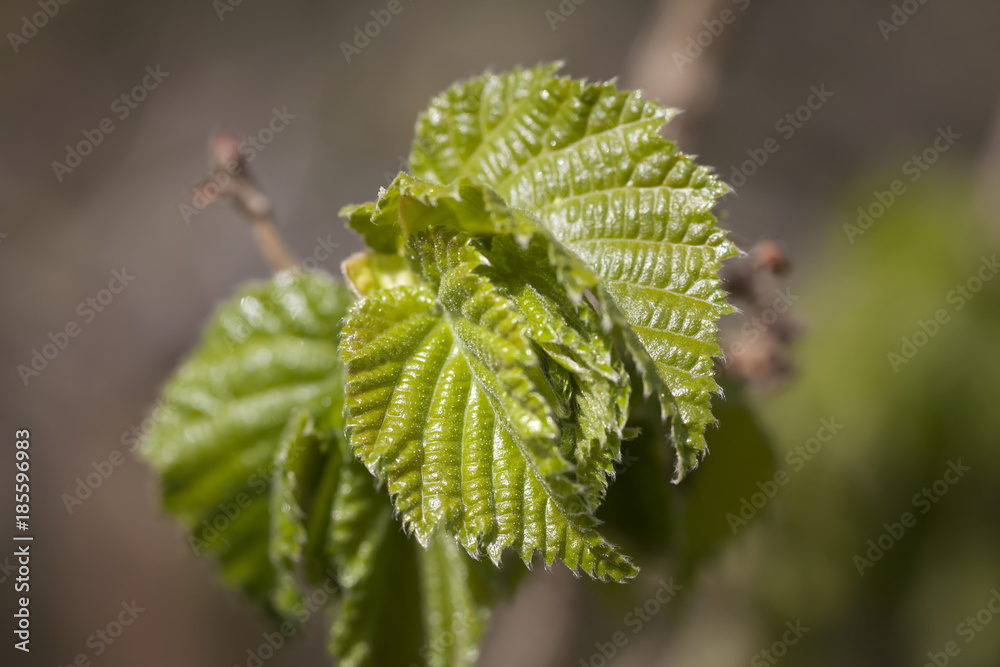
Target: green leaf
point(306, 469)
point(569, 332)
point(457, 594)
point(589, 162)
point(549, 285)
point(379, 234)
point(266, 353)
point(375, 617)
point(388, 583)
point(250, 448)
point(367, 272)
point(453, 399)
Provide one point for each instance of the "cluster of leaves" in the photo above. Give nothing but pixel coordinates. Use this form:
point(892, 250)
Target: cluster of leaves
point(549, 251)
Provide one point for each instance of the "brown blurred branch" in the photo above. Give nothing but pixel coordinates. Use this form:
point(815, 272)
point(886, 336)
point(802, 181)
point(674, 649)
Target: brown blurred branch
point(231, 179)
point(659, 63)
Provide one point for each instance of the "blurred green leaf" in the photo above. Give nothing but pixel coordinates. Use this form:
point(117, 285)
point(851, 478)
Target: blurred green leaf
point(267, 352)
point(250, 449)
point(902, 424)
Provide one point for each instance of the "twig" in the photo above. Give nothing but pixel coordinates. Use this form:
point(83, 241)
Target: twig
point(232, 179)
point(653, 64)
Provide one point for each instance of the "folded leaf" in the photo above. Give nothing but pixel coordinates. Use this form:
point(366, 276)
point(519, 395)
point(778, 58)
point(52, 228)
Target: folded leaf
point(387, 584)
point(306, 469)
point(374, 618)
point(457, 595)
point(549, 285)
point(588, 162)
point(452, 400)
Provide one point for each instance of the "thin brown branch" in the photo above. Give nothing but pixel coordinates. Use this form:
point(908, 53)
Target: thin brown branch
point(231, 179)
point(668, 62)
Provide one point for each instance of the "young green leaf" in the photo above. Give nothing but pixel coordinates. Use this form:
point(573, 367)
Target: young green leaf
point(248, 442)
point(548, 231)
point(266, 353)
point(457, 594)
point(307, 467)
point(388, 582)
point(374, 617)
point(454, 401)
point(367, 272)
point(549, 285)
point(588, 162)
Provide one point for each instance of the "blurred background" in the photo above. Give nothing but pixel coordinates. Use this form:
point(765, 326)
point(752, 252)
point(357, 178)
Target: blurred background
point(864, 136)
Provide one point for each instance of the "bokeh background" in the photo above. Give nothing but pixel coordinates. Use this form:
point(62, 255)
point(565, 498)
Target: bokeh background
point(231, 64)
